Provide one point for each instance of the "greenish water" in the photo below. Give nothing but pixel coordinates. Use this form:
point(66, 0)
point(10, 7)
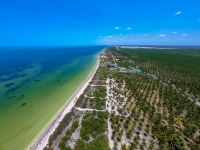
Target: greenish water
point(31, 95)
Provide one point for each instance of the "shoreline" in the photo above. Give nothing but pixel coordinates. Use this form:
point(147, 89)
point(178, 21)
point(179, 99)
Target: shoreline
point(42, 139)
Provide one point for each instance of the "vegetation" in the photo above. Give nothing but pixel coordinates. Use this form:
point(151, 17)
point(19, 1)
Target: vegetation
point(184, 58)
point(101, 73)
point(79, 101)
point(100, 92)
point(97, 103)
point(62, 144)
point(99, 143)
point(176, 67)
point(92, 125)
point(98, 82)
point(65, 121)
point(160, 113)
point(75, 125)
point(125, 64)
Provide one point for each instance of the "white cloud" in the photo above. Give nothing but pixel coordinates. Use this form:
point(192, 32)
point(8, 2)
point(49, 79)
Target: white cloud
point(178, 13)
point(174, 32)
point(129, 28)
point(120, 34)
point(145, 35)
point(117, 28)
point(199, 18)
point(184, 35)
point(162, 35)
point(100, 36)
point(109, 36)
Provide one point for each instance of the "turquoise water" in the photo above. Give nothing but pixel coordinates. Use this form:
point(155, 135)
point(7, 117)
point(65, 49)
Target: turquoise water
point(35, 82)
point(136, 70)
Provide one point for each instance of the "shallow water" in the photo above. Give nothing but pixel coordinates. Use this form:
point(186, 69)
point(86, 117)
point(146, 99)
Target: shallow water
point(34, 84)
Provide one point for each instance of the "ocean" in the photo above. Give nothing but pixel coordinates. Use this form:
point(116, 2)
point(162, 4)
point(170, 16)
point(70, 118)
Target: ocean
point(35, 82)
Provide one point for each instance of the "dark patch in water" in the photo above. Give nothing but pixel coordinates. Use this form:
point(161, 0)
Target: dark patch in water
point(8, 85)
point(23, 75)
point(11, 77)
point(11, 97)
point(12, 90)
point(37, 80)
point(58, 80)
point(23, 104)
point(21, 97)
point(24, 82)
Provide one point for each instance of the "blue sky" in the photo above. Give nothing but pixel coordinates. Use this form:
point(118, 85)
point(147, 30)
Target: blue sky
point(99, 22)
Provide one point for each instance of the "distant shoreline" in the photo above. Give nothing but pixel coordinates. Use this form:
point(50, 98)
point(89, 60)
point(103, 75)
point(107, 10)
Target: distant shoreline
point(42, 140)
point(144, 47)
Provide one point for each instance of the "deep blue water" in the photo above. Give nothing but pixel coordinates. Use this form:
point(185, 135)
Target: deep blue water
point(16, 59)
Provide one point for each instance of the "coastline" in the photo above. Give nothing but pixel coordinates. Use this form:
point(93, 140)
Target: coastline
point(42, 139)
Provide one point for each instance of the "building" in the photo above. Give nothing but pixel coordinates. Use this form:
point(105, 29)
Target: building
point(112, 65)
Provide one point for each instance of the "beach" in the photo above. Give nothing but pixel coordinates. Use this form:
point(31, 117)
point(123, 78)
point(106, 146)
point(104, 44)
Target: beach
point(42, 140)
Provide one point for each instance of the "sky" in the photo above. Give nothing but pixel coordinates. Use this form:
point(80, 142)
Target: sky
point(99, 22)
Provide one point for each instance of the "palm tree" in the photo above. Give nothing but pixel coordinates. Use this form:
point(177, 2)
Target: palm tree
point(132, 146)
point(115, 144)
point(128, 134)
point(123, 147)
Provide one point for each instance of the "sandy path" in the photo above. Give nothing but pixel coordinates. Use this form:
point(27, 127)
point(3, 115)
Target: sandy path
point(109, 109)
point(97, 85)
point(94, 97)
point(88, 109)
point(42, 141)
